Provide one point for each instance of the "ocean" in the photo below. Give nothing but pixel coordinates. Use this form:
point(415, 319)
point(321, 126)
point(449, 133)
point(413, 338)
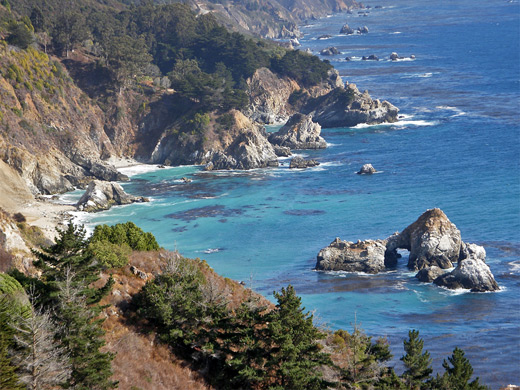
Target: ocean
point(456, 147)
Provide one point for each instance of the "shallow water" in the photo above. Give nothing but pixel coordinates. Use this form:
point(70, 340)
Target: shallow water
point(457, 148)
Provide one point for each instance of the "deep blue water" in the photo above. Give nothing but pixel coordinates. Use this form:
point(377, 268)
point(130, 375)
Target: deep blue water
point(457, 148)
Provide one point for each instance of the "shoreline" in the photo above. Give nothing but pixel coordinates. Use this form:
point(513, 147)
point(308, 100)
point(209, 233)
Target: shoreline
point(40, 210)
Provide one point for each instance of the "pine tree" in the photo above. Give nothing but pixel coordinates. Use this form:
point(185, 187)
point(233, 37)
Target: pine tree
point(457, 375)
point(8, 378)
point(82, 336)
point(69, 255)
point(417, 362)
point(295, 353)
point(246, 345)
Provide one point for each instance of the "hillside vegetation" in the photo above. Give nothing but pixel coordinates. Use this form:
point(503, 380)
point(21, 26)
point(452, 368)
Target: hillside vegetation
point(89, 323)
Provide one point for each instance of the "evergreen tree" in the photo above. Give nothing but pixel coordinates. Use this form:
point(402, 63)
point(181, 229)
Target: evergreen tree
point(417, 362)
point(20, 35)
point(295, 353)
point(8, 377)
point(458, 372)
point(82, 336)
point(246, 342)
point(68, 257)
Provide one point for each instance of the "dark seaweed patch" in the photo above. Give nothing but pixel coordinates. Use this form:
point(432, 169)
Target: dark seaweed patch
point(207, 212)
point(302, 212)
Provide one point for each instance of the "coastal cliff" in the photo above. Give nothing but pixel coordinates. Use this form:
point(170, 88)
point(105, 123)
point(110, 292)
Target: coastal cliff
point(270, 18)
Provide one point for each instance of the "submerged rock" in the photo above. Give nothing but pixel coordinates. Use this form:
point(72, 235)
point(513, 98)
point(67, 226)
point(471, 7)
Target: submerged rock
point(103, 195)
point(366, 169)
point(363, 256)
point(300, 132)
point(432, 240)
point(471, 273)
point(362, 30)
point(371, 57)
point(299, 162)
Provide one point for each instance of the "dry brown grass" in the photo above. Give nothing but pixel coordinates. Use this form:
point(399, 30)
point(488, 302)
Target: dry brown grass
point(141, 361)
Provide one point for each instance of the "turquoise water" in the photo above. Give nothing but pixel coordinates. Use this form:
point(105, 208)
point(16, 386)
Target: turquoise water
point(456, 148)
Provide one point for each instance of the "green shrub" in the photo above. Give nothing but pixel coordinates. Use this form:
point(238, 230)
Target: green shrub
point(110, 255)
point(126, 233)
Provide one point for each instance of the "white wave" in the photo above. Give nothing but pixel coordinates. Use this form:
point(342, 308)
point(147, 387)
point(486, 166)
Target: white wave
point(515, 266)
point(331, 164)
point(331, 145)
point(454, 292)
point(211, 250)
point(344, 274)
point(457, 111)
point(141, 168)
point(396, 32)
point(418, 123)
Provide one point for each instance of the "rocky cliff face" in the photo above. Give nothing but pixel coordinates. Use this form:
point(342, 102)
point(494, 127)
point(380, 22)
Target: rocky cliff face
point(51, 133)
point(241, 145)
point(331, 104)
point(271, 18)
point(300, 132)
point(269, 97)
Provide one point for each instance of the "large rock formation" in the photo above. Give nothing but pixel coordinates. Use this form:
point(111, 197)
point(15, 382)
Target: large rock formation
point(471, 272)
point(345, 107)
point(431, 240)
point(363, 256)
point(243, 145)
point(300, 132)
point(103, 195)
point(269, 97)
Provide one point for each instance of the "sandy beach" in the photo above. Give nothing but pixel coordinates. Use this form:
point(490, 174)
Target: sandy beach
point(43, 212)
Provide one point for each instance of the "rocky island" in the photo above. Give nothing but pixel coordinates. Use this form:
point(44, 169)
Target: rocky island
point(434, 244)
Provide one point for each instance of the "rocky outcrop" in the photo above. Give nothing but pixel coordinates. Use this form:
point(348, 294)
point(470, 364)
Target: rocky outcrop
point(103, 195)
point(300, 132)
point(301, 163)
point(330, 51)
point(362, 30)
point(282, 151)
point(371, 57)
point(429, 274)
point(346, 30)
point(363, 256)
point(471, 273)
point(394, 57)
point(243, 145)
point(432, 240)
point(269, 97)
point(366, 169)
point(345, 107)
